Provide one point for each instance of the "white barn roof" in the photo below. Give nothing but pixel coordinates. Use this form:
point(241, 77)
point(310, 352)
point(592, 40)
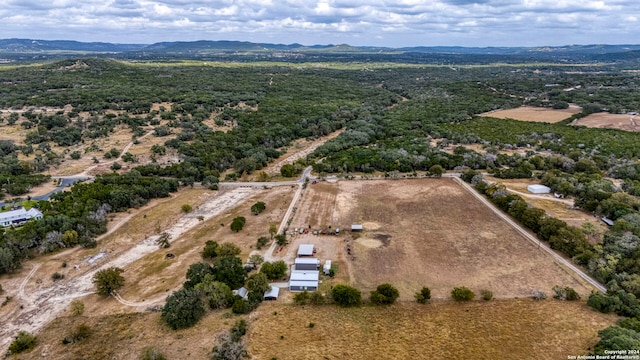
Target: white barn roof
point(305, 250)
point(298, 283)
point(304, 275)
point(357, 227)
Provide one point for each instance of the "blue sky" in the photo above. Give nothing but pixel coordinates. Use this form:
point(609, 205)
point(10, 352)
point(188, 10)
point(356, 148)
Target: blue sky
point(309, 22)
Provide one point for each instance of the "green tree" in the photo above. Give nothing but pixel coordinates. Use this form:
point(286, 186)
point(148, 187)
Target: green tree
point(228, 249)
point(257, 284)
point(76, 308)
point(436, 170)
point(346, 296)
point(238, 223)
point(274, 270)
point(262, 242)
point(23, 341)
point(462, 294)
point(183, 309)
point(301, 298)
point(256, 259)
point(258, 207)
point(288, 170)
point(385, 294)
point(281, 239)
point(211, 250)
point(228, 349)
point(423, 296)
point(229, 270)
point(217, 294)
point(108, 281)
point(617, 338)
point(196, 274)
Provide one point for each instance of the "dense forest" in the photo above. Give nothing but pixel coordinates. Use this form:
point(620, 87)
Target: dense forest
point(397, 118)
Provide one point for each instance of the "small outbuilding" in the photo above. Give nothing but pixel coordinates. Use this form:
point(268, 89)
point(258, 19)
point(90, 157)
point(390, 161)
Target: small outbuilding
point(538, 189)
point(607, 221)
point(306, 263)
point(242, 292)
point(356, 227)
point(326, 269)
point(272, 294)
point(305, 250)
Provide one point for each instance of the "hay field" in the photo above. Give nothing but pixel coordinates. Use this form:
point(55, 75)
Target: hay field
point(534, 114)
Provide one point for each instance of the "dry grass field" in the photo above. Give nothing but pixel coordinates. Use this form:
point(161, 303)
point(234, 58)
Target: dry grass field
point(534, 114)
point(610, 121)
point(499, 329)
point(426, 232)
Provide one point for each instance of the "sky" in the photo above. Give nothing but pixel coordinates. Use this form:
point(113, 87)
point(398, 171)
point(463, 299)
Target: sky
point(309, 22)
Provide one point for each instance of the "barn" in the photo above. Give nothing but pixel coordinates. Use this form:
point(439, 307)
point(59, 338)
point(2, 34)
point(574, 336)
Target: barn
point(305, 250)
point(306, 264)
point(272, 294)
point(304, 280)
point(538, 189)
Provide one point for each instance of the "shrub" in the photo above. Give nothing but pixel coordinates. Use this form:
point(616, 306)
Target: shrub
point(262, 241)
point(210, 250)
point(281, 239)
point(238, 330)
point(566, 293)
point(423, 296)
point(301, 298)
point(228, 349)
point(108, 281)
point(163, 240)
point(80, 333)
point(240, 306)
point(76, 155)
point(385, 294)
point(462, 294)
point(316, 298)
point(76, 308)
point(258, 207)
point(486, 294)
point(22, 342)
point(539, 295)
point(57, 276)
point(346, 296)
point(186, 208)
point(116, 166)
point(151, 353)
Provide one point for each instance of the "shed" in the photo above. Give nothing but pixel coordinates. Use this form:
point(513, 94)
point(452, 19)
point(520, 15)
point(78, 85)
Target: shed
point(538, 189)
point(306, 264)
point(305, 250)
point(242, 292)
point(272, 294)
point(327, 267)
point(607, 221)
point(304, 280)
point(356, 227)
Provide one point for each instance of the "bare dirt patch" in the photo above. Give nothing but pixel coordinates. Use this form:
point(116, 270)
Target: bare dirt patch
point(604, 120)
point(534, 114)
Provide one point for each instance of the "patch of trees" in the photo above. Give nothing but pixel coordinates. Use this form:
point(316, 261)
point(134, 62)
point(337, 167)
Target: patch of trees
point(346, 296)
point(258, 207)
point(384, 294)
point(108, 281)
point(238, 223)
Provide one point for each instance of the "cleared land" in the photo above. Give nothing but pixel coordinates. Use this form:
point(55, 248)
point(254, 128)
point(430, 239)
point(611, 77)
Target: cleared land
point(426, 232)
point(534, 114)
point(610, 121)
point(500, 329)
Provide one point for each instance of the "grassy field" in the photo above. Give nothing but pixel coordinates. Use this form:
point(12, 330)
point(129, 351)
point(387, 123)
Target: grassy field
point(528, 113)
point(504, 329)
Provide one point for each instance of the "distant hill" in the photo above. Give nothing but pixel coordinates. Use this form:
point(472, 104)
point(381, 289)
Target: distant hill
point(25, 49)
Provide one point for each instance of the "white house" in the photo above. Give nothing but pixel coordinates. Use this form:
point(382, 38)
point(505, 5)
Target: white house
point(19, 216)
point(304, 280)
point(305, 263)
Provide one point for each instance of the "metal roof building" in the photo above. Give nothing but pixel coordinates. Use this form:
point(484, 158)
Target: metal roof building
point(305, 250)
point(272, 294)
point(306, 264)
point(304, 280)
point(538, 189)
point(356, 227)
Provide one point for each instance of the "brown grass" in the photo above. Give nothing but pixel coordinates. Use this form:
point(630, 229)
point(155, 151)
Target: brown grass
point(426, 232)
point(522, 329)
point(534, 114)
point(610, 121)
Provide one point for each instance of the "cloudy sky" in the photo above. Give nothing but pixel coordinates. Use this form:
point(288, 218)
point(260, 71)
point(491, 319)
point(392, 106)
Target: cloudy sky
point(355, 22)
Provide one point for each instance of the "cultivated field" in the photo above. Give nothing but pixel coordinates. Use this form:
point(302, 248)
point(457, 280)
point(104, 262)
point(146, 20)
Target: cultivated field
point(426, 232)
point(534, 114)
point(610, 121)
